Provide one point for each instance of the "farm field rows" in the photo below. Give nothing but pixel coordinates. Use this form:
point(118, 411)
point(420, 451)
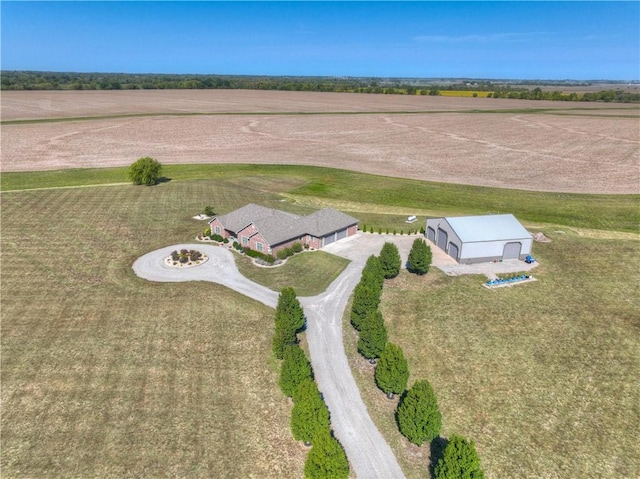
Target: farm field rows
point(540, 146)
point(109, 374)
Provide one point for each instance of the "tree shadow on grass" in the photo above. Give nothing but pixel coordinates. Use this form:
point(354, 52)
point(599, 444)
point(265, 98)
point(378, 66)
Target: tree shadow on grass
point(436, 453)
point(162, 179)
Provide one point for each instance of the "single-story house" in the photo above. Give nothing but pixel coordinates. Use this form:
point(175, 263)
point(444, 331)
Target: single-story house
point(269, 230)
point(478, 239)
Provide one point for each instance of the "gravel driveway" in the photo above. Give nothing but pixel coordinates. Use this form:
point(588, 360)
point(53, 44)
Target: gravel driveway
point(369, 454)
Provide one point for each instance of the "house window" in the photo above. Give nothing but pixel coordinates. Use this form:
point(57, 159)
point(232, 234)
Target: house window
point(217, 230)
point(259, 246)
point(245, 240)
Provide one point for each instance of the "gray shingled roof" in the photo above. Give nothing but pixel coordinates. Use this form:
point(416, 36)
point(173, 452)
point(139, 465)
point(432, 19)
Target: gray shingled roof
point(279, 226)
point(240, 218)
point(326, 221)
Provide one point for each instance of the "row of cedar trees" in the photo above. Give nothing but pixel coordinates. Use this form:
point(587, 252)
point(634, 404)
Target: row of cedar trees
point(310, 416)
point(417, 414)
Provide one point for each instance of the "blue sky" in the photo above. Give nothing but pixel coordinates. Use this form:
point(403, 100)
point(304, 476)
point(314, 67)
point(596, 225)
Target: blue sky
point(517, 40)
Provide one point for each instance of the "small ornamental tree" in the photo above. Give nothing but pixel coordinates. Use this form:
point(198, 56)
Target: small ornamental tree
point(390, 260)
point(326, 459)
point(295, 369)
point(145, 171)
point(418, 415)
point(373, 336)
point(419, 257)
point(392, 371)
point(309, 414)
point(459, 460)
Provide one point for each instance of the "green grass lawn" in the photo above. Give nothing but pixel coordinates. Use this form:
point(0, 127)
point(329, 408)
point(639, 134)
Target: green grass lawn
point(104, 374)
point(542, 376)
point(310, 272)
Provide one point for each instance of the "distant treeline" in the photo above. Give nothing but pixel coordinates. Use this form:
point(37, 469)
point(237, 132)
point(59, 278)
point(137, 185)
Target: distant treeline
point(27, 80)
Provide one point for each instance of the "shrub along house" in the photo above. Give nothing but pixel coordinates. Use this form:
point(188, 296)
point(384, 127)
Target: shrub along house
point(269, 230)
point(478, 239)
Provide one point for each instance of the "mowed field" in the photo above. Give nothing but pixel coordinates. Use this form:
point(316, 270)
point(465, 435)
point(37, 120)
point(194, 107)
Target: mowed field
point(107, 375)
point(539, 146)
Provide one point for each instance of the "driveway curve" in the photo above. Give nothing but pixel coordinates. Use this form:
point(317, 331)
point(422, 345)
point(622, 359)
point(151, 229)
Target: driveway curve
point(369, 454)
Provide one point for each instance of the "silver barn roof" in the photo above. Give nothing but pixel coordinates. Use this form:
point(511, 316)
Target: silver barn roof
point(487, 228)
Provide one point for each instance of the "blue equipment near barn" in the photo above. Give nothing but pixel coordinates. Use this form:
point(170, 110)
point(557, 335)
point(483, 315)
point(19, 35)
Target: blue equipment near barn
point(529, 259)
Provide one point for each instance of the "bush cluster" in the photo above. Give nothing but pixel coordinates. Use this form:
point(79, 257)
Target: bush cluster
point(295, 248)
point(184, 256)
point(270, 259)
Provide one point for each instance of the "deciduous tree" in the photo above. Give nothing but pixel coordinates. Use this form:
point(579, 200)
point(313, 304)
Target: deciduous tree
point(145, 171)
point(459, 460)
point(418, 415)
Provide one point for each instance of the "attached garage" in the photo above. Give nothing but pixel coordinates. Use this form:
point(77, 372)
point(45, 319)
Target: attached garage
point(327, 240)
point(479, 239)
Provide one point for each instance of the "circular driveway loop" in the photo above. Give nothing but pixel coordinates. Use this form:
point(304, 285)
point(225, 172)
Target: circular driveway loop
point(368, 453)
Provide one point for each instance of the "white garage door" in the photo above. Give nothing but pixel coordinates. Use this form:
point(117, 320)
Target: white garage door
point(431, 234)
point(512, 251)
point(342, 234)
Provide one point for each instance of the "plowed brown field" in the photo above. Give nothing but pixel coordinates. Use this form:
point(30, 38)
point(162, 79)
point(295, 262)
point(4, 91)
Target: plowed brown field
point(571, 147)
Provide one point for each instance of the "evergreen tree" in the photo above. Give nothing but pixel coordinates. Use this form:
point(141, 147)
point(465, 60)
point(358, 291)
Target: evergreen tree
point(282, 338)
point(390, 260)
point(392, 372)
point(310, 413)
point(366, 298)
point(373, 273)
point(326, 459)
point(373, 336)
point(145, 171)
point(418, 415)
point(419, 257)
point(295, 369)
point(459, 461)
point(289, 312)
point(289, 319)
